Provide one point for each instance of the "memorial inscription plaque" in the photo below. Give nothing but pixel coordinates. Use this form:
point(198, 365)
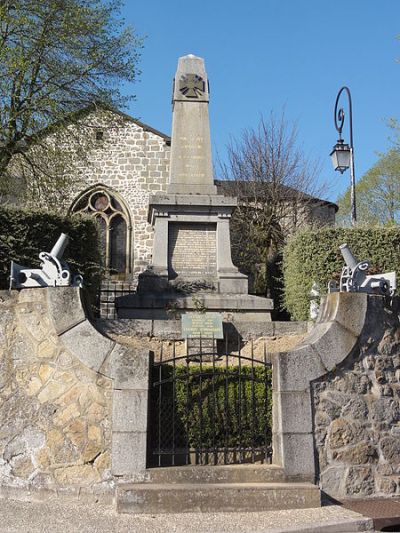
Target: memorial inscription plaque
point(204, 325)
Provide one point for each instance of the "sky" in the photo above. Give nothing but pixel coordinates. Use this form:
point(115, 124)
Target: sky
point(275, 55)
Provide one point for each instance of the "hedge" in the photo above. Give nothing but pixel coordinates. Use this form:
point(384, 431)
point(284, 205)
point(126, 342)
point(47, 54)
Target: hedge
point(315, 256)
point(25, 233)
point(217, 424)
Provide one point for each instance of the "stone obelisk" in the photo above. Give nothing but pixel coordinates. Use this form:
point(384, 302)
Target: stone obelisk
point(191, 170)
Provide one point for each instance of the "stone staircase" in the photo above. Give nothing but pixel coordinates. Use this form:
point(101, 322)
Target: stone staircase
point(233, 488)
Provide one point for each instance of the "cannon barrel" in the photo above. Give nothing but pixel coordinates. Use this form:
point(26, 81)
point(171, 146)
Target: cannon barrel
point(59, 248)
point(348, 257)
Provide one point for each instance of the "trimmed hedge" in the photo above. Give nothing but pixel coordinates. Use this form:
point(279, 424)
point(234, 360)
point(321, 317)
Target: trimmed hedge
point(216, 424)
point(315, 256)
point(26, 233)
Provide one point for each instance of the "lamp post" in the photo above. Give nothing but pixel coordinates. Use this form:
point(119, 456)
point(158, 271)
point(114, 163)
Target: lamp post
point(343, 154)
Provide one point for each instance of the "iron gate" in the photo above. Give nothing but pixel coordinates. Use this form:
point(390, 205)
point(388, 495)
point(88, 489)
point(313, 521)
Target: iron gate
point(207, 408)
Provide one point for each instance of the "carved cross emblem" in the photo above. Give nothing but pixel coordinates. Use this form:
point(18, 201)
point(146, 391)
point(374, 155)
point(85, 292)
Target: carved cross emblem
point(191, 85)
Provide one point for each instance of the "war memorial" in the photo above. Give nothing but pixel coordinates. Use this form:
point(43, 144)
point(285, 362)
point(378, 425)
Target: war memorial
point(201, 422)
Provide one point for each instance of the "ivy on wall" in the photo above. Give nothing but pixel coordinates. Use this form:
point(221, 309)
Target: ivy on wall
point(314, 256)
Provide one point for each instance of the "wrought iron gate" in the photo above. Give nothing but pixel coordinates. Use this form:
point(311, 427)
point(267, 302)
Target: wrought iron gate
point(207, 408)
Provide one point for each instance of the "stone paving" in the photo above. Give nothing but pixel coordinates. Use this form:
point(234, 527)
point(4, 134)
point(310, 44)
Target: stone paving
point(55, 516)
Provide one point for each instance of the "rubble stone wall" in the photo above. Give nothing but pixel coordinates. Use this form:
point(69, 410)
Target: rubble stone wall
point(134, 162)
point(55, 413)
point(73, 403)
point(357, 411)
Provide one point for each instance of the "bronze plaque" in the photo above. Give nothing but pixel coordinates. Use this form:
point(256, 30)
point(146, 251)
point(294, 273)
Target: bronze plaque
point(204, 325)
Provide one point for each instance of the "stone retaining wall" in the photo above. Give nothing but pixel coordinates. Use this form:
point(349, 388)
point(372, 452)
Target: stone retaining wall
point(357, 411)
point(55, 413)
point(336, 408)
point(73, 404)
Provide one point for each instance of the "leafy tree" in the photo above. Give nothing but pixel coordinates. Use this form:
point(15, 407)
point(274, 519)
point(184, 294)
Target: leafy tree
point(276, 186)
point(56, 57)
point(377, 193)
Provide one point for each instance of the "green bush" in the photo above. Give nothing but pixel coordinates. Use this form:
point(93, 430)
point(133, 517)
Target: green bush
point(315, 256)
point(209, 413)
point(26, 233)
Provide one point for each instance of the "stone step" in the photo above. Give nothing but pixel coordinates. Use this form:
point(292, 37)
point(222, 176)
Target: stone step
point(215, 497)
point(244, 473)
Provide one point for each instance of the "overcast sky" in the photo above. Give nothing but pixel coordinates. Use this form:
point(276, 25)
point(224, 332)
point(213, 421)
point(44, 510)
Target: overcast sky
point(264, 55)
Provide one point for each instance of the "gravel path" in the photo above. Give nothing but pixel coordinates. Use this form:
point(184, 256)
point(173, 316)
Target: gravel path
point(66, 517)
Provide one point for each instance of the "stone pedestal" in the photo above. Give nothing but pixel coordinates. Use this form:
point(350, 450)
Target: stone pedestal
point(191, 257)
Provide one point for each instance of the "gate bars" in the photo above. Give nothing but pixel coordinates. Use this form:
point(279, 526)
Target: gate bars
point(210, 405)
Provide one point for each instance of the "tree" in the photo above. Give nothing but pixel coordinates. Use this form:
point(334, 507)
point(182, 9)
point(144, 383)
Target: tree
point(276, 186)
point(56, 57)
point(377, 193)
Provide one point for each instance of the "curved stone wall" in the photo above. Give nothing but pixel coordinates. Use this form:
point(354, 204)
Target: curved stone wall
point(69, 397)
point(357, 411)
point(335, 334)
point(337, 399)
point(55, 412)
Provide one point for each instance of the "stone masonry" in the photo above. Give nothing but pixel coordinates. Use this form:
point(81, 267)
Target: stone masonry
point(193, 261)
point(73, 403)
point(133, 160)
point(336, 399)
point(55, 413)
point(357, 412)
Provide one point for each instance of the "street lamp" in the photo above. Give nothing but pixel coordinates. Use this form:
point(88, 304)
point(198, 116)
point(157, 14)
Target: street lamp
point(343, 154)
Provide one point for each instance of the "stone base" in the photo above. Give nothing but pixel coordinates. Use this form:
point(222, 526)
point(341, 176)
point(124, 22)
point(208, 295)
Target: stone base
point(215, 497)
point(172, 306)
point(233, 282)
point(172, 329)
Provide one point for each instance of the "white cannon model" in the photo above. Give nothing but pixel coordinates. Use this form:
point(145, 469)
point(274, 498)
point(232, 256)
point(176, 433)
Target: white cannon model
point(355, 279)
point(53, 272)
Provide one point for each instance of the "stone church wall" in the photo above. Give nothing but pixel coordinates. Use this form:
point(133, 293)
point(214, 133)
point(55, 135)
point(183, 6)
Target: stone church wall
point(357, 411)
point(133, 161)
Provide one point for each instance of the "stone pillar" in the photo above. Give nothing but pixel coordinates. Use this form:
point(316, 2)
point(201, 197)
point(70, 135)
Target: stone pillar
point(224, 258)
point(341, 319)
point(130, 410)
point(160, 246)
point(231, 281)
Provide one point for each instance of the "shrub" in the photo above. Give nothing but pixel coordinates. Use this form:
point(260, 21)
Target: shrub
point(219, 410)
point(26, 233)
point(315, 256)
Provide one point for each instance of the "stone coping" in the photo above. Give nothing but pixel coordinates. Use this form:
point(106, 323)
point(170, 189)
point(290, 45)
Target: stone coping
point(234, 302)
point(171, 329)
point(216, 200)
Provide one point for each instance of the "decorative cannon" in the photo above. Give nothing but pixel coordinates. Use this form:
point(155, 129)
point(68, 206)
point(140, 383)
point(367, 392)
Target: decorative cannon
point(354, 277)
point(53, 272)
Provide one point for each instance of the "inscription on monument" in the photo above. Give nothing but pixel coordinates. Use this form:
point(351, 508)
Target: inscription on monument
point(192, 250)
point(206, 326)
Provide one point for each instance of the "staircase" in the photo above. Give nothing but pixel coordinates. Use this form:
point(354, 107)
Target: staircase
point(233, 488)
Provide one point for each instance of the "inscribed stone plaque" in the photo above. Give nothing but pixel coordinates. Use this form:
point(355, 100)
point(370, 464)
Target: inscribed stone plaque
point(205, 325)
point(192, 251)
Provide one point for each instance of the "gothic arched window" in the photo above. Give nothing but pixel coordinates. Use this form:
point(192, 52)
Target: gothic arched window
point(113, 220)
